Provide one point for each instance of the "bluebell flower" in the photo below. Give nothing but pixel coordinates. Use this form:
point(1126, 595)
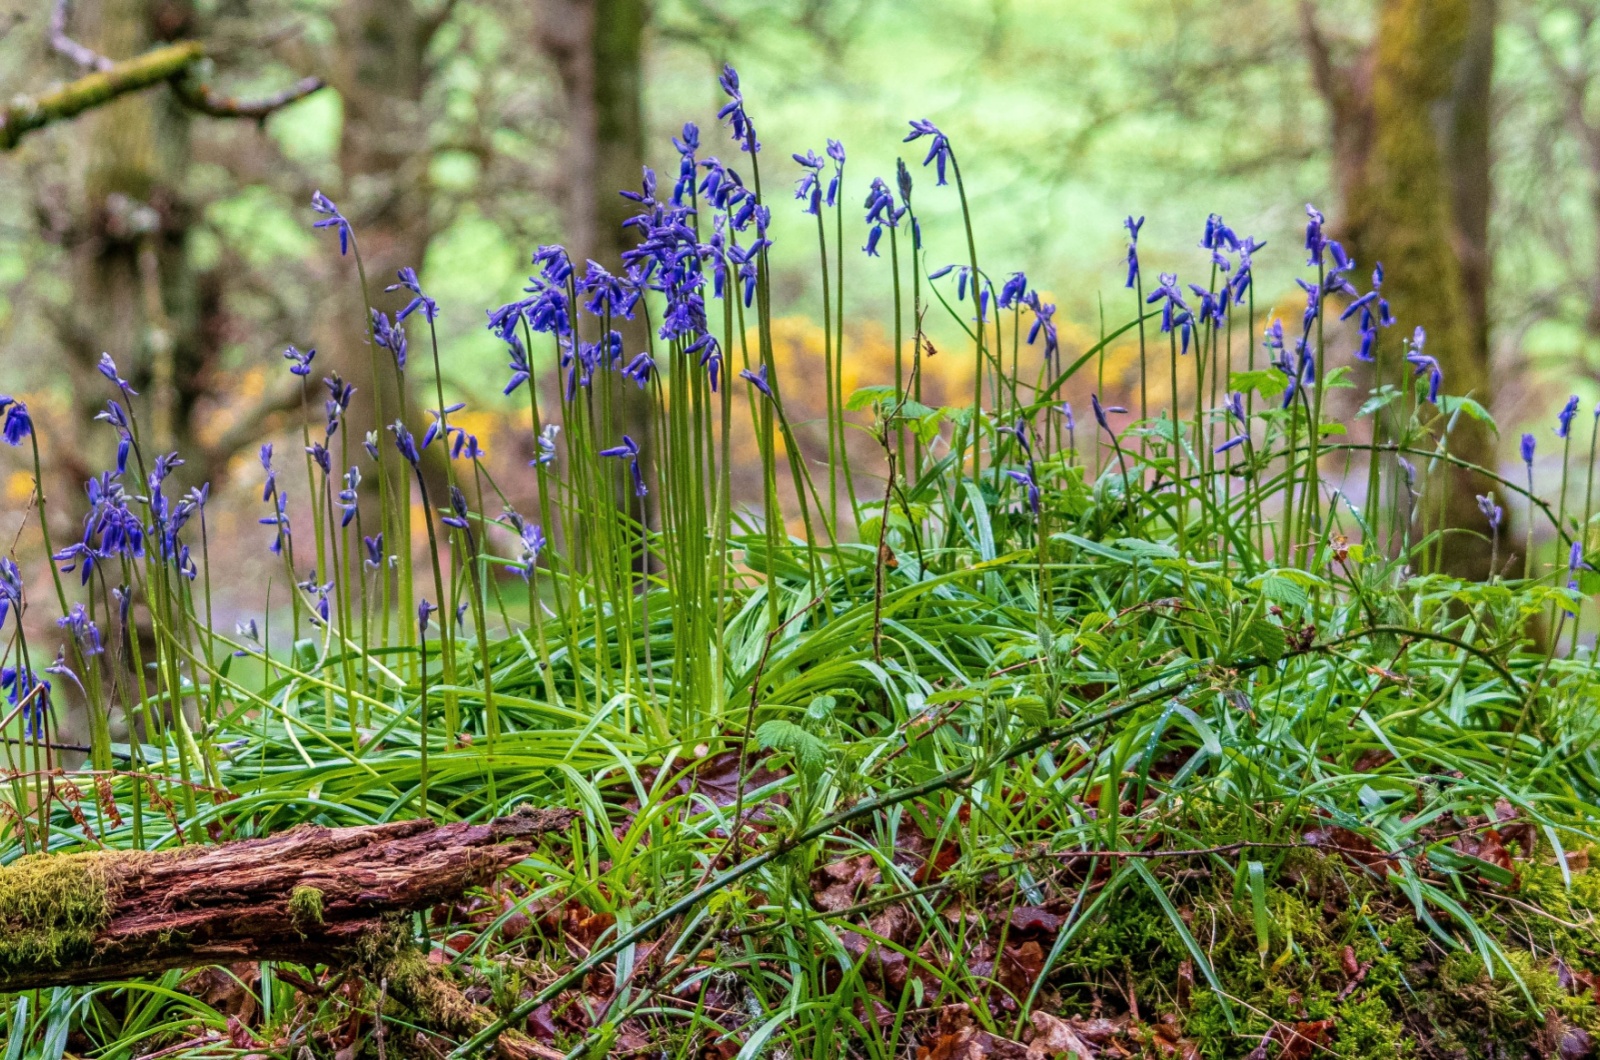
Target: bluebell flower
point(1217, 235)
point(1421, 362)
point(424, 611)
point(370, 444)
point(108, 368)
point(939, 151)
point(299, 363)
point(1066, 411)
point(1564, 425)
point(458, 510)
point(640, 370)
point(1014, 291)
point(1491, 511)
point(629, 450)
point(408, 281)
point(439, 419)
point(1133, 227)
point(607, 294)
point(10, 588)
point(533, 543)
point(1527, 447)
point(280, 521)
point(1024, 478)
point(808, 189)
point(1170, 297)
point(1315, 242)
point(733, 112)
point(319, 453)
point(270, 486)
point(18, 424)
point(320, 203)
point(374, 547)
point(1044, 323)
point(722, 185)
point(390, 336)
point(1234, 404)
point(350, 496)
point(547, 445)
point(757, 379)
point(520, 372)
point(83, 630)
point(405, 443)
point(687, 146)
point(1244, 275)
point(1100, 412)
point(31, 695)
point(1575, 564)
point(467, 447)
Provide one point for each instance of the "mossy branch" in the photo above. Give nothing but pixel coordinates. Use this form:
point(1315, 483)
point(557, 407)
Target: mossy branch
point(174, 64)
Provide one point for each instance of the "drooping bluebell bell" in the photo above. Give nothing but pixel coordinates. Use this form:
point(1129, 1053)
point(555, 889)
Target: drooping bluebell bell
point(1212, 307)
point(640, 369)
point(405, 443)
point(1527, 448)
point(30, 695)
point(1133, 227)
point(1420, 362)
point(1014, 292)
point(440, 417)
point(466, 447)
point(390, 336)
point(629, 450)
point(533, 543)
point(270, 485)
point(1171, 299)
point(520, 372)
point(1244, 274)
point(374, 548)
point(84, 631)
point(1024, 478)
point(408, 281)
point(646, 195)
point(1044, 324)
point(733, 112)
point(458, 510)
point(757, 379)
point(686, 146)
point(808, 189)
point(350, 496)
point(710, 353)
point(299, 362)
point(18, 424)
point(1315, 242)
point(1575, 564)
point(881, 213)
point(320, 455)
point(279, 520)
point(370, 444)
point(1232, 443)
point(1217, 235)
point(1100, 413)
point(108, 368)
point(722, 185)
point(320, 203)
point(1564, 418)
point(10, 588)
point(607, 294)
point(547, 445)
point(424, 611)
point(1491, 511)
point(939, 151)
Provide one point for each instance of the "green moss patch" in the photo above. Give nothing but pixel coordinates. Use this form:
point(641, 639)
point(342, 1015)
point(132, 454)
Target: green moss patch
point(52, 906)
point(305, 908)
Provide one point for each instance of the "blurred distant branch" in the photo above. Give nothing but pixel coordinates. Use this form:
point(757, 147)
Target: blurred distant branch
point(177, 65)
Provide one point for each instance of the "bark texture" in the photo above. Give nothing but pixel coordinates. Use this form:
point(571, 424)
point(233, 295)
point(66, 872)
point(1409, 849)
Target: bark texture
point(1410, 115)
point(311, 895)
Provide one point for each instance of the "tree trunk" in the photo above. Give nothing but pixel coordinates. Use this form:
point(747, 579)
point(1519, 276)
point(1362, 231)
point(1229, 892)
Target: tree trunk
point(311, 895)
point(1410, 119)
point(597, 47)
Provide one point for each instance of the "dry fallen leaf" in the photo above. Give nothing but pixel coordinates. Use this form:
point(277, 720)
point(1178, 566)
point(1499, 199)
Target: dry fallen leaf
point(1054, 1038)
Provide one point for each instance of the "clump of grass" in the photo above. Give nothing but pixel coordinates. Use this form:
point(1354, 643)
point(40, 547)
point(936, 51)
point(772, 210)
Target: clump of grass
point(1153, 718)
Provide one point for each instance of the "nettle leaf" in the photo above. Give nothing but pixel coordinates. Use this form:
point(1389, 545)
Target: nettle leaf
point(822, 707)
point(1283, 589)
point(808, 751)
point(1339, 377)
point(1452, 405)
point(867, 396)
point(1265, 639)
point(1268, 382)
point(1381, 398)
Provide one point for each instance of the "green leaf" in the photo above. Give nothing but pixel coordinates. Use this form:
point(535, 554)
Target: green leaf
point(1258, 905)
point(808, 751)
point(1268, 382)
point(1283, 590)
point(867, 396)
point(1338, 377)
point(1381, 398)
point(1264, 639)
point(1451, 405)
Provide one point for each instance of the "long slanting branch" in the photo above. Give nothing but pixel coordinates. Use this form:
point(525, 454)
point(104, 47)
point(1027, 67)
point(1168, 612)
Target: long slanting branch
point(311, 895)
point(173, 64)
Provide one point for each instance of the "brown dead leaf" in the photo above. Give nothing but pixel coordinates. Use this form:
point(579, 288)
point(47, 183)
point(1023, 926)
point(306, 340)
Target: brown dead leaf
point(1354, 847)
point(1034, 920)
point(1018, 968)
point(839, 884)
point(1054, 1037)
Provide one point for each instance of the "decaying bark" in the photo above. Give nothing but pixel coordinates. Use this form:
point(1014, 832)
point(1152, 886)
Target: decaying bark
point(311, 895)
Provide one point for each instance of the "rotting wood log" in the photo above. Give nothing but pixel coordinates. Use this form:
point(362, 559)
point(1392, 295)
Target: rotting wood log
point(309, 895)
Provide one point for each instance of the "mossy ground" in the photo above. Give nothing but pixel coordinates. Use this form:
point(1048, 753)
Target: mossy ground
point(1347, 948)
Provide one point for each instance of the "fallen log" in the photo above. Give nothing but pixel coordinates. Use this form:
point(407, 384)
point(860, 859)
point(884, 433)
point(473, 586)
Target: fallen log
point(310, 895)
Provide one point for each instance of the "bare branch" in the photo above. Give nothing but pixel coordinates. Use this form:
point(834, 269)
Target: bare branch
point(203, 98)
point(84, 56)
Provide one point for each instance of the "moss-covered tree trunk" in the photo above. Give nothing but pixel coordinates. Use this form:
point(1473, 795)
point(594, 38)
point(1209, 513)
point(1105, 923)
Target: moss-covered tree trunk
point(1410, 131)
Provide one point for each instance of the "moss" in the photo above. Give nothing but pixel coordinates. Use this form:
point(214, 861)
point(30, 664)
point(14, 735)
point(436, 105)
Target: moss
point(52, 907)
point(305, 908)
point(1411, 997)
